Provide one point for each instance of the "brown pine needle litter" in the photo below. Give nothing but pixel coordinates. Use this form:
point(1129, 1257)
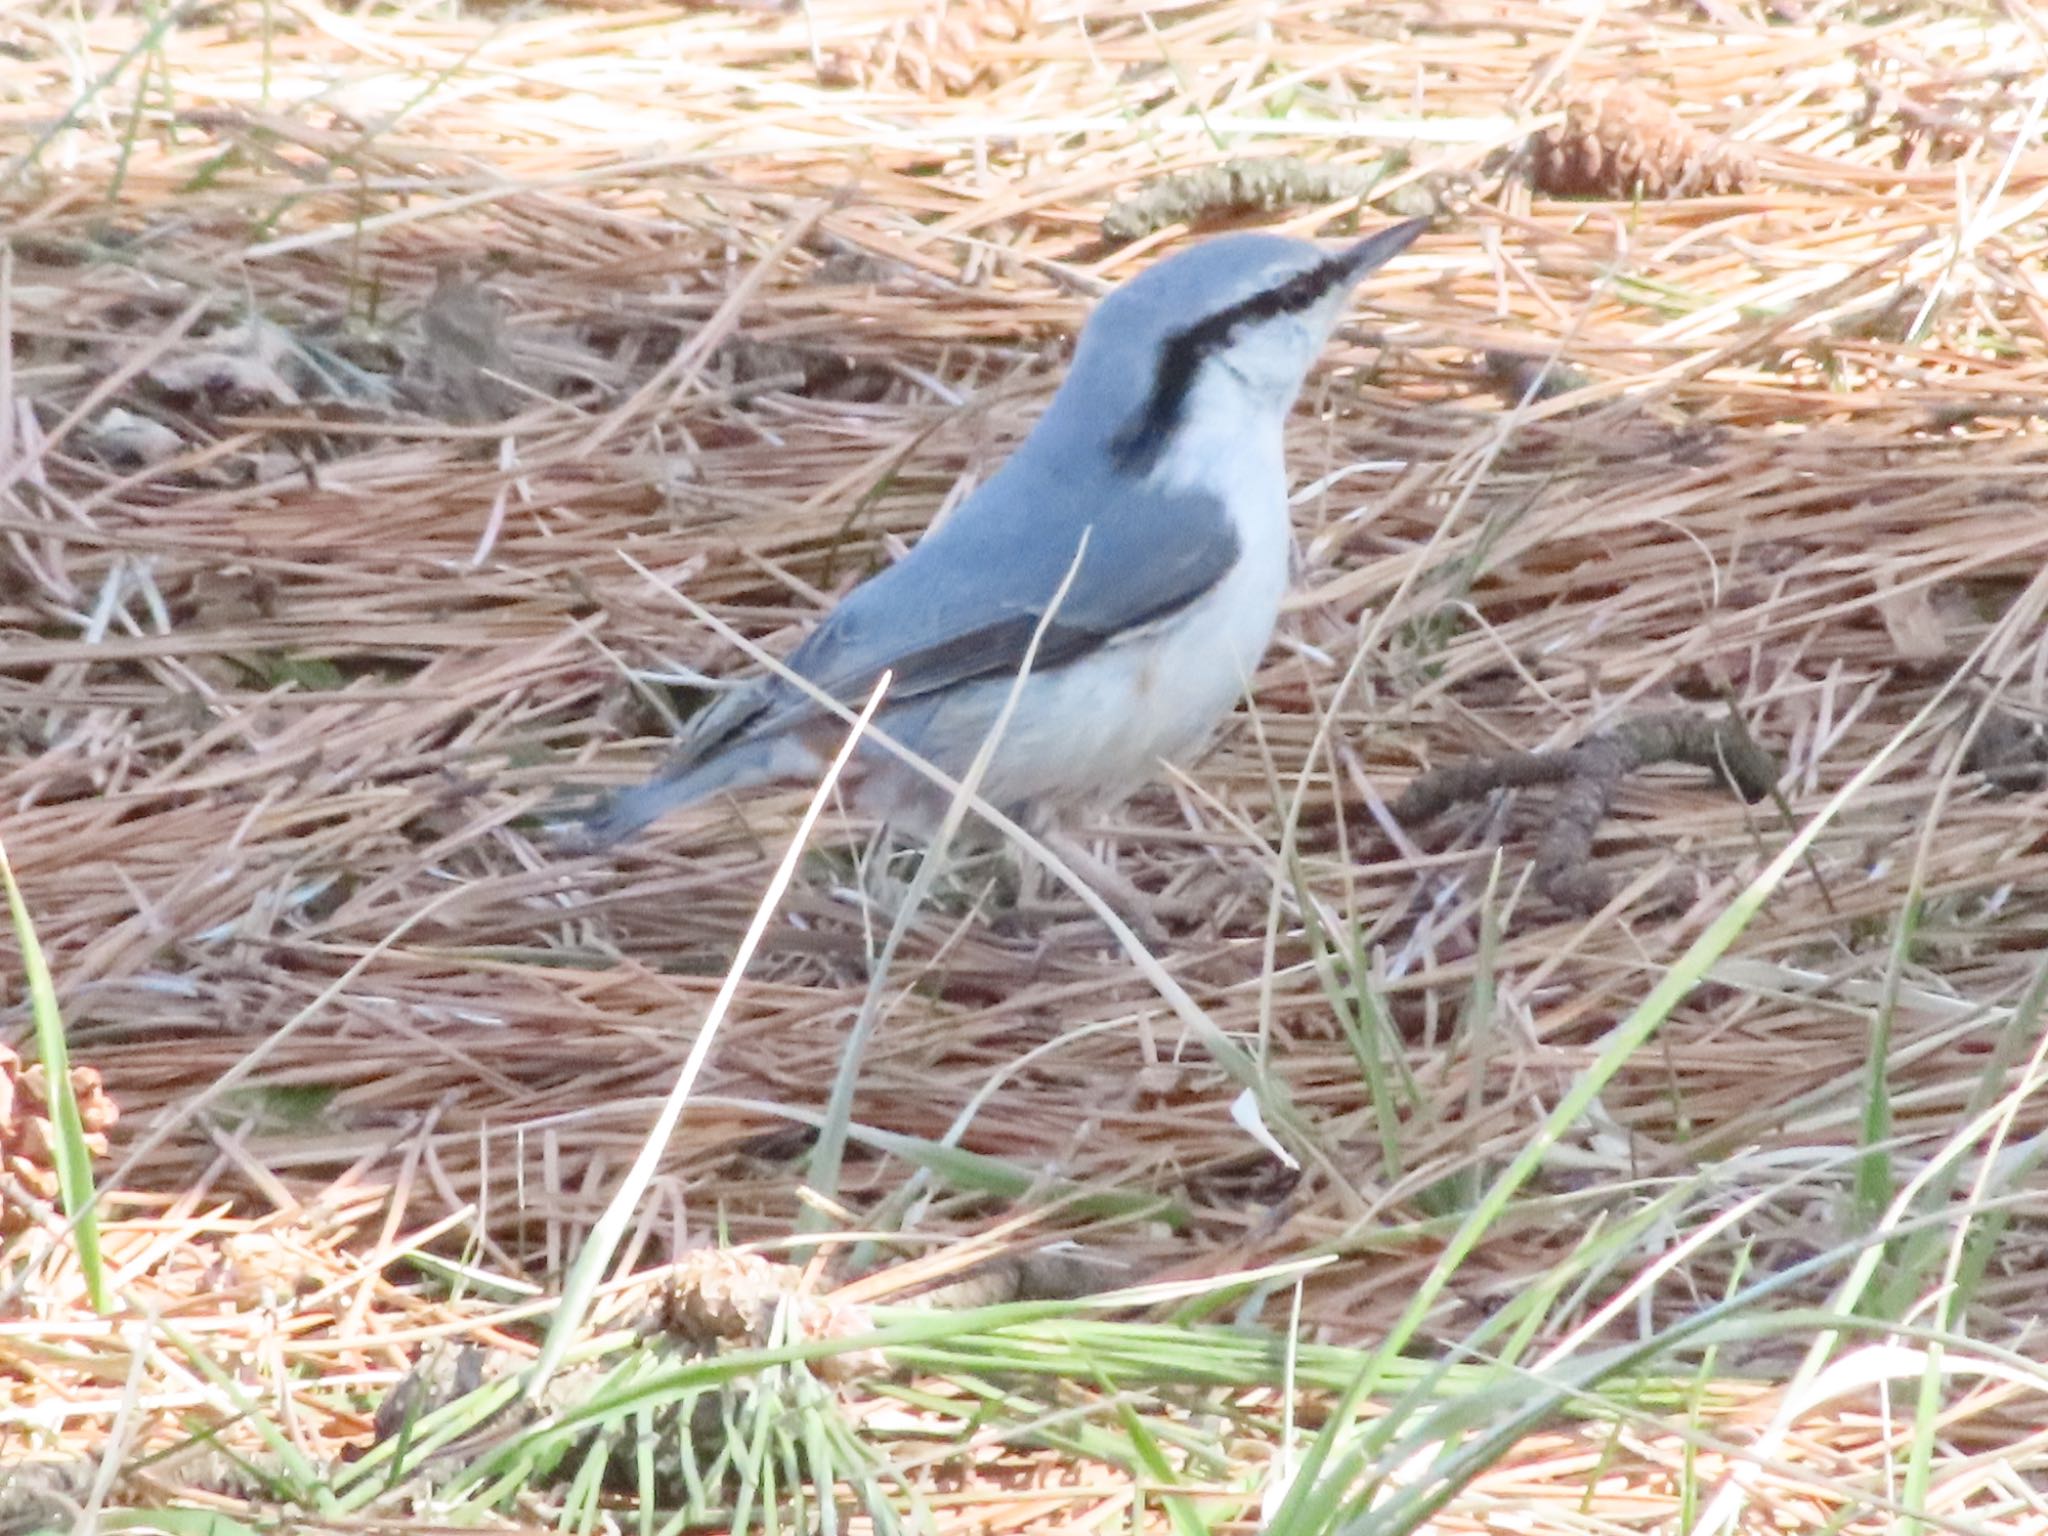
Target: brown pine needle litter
point(349, 346)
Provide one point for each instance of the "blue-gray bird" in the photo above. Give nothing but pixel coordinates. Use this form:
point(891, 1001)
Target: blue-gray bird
point(1164, 448)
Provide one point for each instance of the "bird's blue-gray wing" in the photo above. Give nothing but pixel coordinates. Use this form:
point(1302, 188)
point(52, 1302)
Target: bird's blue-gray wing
point(966, 601)
point(961, 606)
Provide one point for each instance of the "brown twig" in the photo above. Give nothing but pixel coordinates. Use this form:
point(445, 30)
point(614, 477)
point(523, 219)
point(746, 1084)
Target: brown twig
point(1239, 187)
point(246, 642)
point(1588, 775)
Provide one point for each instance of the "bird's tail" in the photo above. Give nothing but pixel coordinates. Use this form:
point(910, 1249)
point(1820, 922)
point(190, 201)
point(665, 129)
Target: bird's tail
point(683, 781)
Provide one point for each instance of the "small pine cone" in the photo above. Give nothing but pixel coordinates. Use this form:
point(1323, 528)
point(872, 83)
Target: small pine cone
point(28, 1139)
point(938, 52)
point(1617, 141)
point(714, 1294)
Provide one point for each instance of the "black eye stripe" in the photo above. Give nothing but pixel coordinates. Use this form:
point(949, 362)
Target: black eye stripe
point(1137, 446)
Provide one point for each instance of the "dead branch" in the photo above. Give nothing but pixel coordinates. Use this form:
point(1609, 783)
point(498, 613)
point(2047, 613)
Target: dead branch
point(1588, 775)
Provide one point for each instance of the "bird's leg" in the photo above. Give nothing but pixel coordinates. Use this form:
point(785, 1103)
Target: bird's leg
point(965, 877)
point(1134, 906)
point(882, 881)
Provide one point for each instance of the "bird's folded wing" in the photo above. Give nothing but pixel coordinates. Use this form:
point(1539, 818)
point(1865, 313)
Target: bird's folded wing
point(965, 603)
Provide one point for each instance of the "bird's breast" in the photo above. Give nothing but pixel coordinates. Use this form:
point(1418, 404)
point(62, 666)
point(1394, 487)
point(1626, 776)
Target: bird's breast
point(1197, 667)
point(1234, 621)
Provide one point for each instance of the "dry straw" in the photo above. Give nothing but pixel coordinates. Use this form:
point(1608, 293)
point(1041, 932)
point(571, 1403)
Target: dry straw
point(312, 603)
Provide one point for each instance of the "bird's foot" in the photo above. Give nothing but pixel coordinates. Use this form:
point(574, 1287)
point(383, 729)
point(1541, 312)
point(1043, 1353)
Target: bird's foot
point(1144, 913)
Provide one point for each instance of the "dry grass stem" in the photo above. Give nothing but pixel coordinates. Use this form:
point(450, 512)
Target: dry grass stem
point(345, 349)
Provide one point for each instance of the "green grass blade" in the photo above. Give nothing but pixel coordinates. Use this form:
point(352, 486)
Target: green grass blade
point(1622, 1043)
point(610, 1228)
point(73, 1160)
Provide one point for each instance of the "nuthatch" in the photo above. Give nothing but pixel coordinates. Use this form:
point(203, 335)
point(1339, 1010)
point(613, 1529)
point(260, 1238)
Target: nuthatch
point(1163, 449)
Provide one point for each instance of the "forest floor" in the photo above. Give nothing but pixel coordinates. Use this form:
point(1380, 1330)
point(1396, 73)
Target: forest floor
point(397, 400)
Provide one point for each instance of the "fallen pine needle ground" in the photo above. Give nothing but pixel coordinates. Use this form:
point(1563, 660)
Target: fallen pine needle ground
point(348, 350)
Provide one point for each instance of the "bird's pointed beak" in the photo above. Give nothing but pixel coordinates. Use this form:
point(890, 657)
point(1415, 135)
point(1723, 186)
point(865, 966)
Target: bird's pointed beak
point(1377, 250)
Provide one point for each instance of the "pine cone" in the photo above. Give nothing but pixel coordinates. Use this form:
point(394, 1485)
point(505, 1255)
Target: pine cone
point(28, 1139)
point(938, 52)
point(714, 1295)
point(1617, 141)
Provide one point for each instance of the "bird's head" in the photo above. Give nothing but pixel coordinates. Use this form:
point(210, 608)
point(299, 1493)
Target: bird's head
point(1235, 322)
